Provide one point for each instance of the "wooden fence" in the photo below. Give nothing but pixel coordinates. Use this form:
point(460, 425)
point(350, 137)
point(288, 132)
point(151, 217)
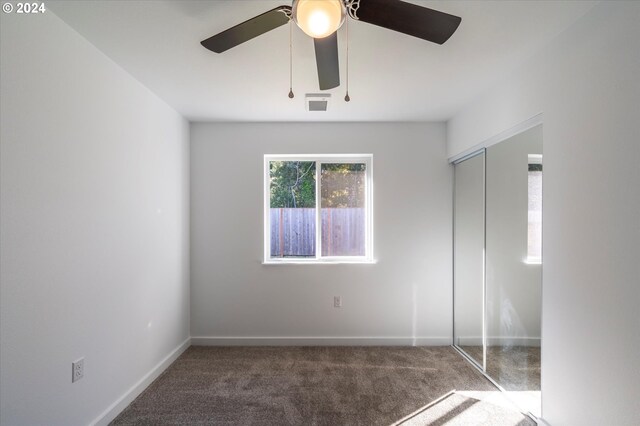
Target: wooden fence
point(293, 232)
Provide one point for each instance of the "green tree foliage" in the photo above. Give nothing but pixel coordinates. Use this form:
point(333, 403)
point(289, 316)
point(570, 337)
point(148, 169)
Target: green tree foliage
point(293, 184)
point(342, 185)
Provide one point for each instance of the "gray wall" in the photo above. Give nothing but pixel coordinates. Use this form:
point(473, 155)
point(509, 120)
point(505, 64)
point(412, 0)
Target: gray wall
point(586, 85)
point(94, 202)
point(406, 295)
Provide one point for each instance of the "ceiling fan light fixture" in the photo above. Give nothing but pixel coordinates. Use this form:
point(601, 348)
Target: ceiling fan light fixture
point(319, 18)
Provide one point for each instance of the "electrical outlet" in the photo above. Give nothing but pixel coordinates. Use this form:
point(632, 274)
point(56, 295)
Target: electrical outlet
point(337, 301)
point(77, 370)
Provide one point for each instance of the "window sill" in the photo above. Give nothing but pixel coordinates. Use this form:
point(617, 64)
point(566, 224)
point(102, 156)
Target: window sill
point(320, 262)
point(533, 261)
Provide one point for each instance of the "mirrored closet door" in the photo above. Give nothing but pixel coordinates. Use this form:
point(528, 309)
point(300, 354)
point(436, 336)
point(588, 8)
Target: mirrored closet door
point(514, 266)
point(468, 273)
point(498, 264)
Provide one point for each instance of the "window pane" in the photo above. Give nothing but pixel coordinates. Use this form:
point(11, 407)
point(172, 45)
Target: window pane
point(292, 203)
point(342, 191)
point(534, 246)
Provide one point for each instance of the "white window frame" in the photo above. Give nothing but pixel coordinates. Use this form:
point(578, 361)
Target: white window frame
point(367, 159)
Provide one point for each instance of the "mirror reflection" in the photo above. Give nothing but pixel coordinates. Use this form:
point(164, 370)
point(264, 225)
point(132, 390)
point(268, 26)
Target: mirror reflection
point(469, 256)
point(498, 264)
point(514, 266)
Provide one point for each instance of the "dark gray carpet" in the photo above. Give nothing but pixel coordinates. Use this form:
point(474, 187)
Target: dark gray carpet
point(515, 368)
point(315, 386)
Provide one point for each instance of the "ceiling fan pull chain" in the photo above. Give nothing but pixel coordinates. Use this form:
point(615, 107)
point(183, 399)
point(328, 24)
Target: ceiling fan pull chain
point(346, 97)
point(290, 60)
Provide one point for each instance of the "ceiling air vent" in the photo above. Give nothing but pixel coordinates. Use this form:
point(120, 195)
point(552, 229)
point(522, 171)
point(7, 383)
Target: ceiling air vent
point(317, 101)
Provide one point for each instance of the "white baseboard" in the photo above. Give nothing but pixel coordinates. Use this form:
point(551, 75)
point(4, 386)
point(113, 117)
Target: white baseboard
point(468, 341)
point(319, 341)
point(513, 341)
point(121, 403)
point(499, 341)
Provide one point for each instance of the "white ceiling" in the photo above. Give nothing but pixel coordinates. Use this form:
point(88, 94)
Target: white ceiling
point(392, 76)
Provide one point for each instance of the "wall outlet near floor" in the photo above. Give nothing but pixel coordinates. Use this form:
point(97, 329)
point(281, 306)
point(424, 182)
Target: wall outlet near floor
point(77, 370)
point(337, 301)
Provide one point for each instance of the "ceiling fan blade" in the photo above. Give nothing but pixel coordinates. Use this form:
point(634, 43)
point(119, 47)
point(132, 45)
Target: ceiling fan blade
point(327, 61)
point(408, 18)
point(248, 29)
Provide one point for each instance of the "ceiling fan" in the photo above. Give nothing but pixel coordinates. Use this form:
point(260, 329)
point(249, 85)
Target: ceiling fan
point(321, 19)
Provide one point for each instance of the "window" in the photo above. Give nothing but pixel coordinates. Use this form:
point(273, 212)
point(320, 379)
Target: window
point(534, 231)
point(318, 208)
